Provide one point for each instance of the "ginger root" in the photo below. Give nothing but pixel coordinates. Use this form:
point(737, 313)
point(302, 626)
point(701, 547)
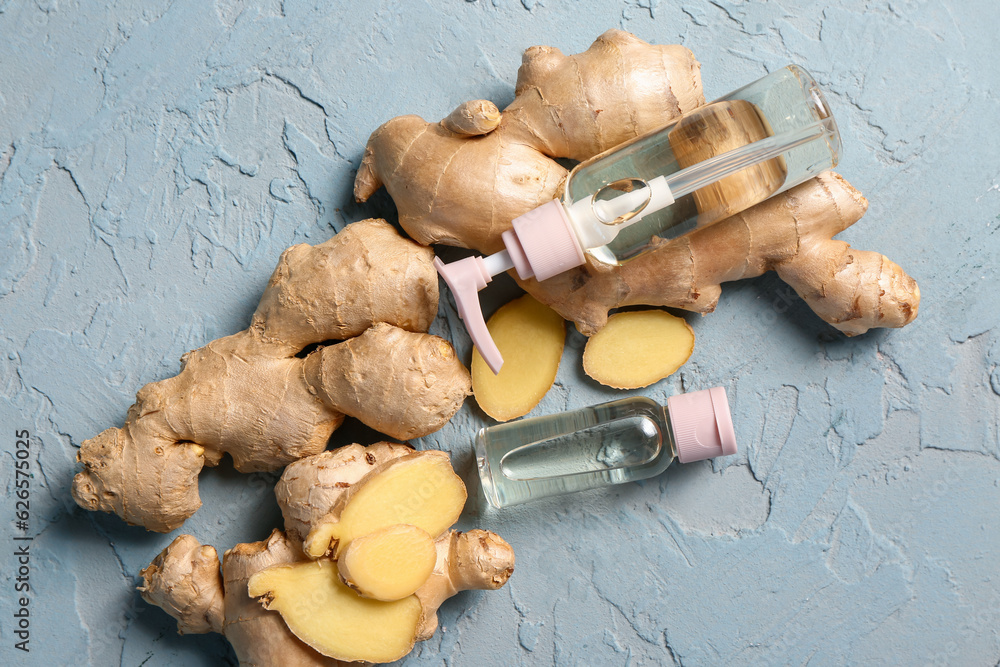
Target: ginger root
point(791, 234)
point(420, 490)
point(259, 637)
point(251, 395)
point(476, 560)
point(388, 564)
point(637, 348)
point(306, 607)
point(185, 581)
point(337, 622)
point(461, 182)
point(531, 337)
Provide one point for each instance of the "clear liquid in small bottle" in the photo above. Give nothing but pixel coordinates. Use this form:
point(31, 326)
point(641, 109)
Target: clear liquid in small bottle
point(573, 451)
point(612, 443)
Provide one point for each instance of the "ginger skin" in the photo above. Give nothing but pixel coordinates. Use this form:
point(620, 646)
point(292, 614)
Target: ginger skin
point(184, 579)
point(259, 637)
point(250, 395)
point(455, 188)
point(477, 560)
point(461, 182)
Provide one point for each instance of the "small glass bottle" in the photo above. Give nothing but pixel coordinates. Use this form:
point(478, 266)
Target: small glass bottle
point(612, 443)
point(713, 162)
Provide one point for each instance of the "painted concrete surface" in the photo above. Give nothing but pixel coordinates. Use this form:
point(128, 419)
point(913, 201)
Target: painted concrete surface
point(156, 157)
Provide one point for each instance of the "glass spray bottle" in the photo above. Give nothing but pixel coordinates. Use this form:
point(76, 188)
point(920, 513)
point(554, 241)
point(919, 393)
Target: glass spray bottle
point(612, 443)
point(711, 163)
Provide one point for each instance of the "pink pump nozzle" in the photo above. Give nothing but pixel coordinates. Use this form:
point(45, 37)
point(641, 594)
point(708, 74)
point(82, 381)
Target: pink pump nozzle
point(541, 244)
point(465, 278)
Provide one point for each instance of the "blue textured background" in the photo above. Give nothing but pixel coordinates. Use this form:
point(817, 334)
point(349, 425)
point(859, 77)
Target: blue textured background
point(156, 157)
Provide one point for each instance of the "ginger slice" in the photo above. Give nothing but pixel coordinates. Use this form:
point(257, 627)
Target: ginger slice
point(328, 616)
point(388, 564)
point(637, 348)
point(421, 490)
point(530, 336)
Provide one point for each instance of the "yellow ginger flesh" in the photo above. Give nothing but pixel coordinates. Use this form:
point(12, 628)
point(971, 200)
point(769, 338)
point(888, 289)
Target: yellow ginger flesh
point(637, 348)
point(328, 616)
point(389, 564)
point(421, 490)
point(530, 336)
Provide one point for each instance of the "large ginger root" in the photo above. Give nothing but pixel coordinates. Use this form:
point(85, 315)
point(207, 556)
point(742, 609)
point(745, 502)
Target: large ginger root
point(531, 337)
point(185, 582)
point(251, 395)
point(638, 348)
point(462, 182)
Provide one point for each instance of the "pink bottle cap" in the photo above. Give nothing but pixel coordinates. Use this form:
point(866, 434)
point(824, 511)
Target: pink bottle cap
point(702, 424)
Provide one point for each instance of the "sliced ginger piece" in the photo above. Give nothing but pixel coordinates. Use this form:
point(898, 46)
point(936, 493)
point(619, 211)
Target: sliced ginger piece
point(637, 348)
point(328, 616)
point(390, 563)
point(420, 489)
point(530, 336)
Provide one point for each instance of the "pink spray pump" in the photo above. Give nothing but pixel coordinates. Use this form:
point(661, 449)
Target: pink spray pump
point(713, 162)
